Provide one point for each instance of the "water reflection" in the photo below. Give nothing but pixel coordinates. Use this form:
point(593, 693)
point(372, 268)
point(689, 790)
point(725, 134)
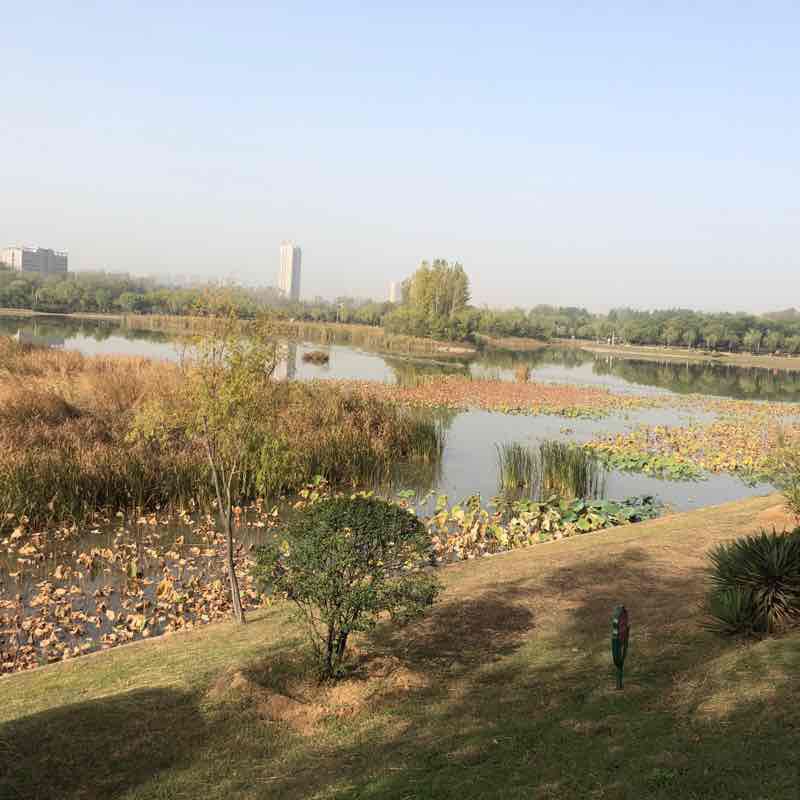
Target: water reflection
point(556, 364)
point(723, 380)
point(573, 365)
point(287, 366)
point(37, 338)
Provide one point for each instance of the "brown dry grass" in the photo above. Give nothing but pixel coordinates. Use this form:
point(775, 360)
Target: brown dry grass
point(66, 448)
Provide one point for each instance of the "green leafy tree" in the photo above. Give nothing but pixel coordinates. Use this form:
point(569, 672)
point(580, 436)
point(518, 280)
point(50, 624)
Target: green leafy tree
point(773, 341)
point(752, 340)
point(103, 299)
point(712, 336)
point(435, 298)
point(792, 344)
point(346, 561)
point(672, 334)
point(130, 301)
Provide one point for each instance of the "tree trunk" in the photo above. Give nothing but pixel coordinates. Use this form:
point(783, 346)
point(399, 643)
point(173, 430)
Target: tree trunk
point(328, 666)
point(340, 646)
point(236, 599)
point(224, 511)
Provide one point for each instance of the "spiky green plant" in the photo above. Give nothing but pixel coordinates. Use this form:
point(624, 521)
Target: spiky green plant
point(755, 583)
point(732, 611)
point(786, 472)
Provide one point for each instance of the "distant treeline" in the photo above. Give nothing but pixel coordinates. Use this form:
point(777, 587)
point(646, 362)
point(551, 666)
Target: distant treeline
point(435, 304)
point(104, 293)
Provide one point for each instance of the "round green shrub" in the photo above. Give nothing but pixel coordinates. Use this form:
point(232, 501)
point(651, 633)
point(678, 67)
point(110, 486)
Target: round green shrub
point(344, 562)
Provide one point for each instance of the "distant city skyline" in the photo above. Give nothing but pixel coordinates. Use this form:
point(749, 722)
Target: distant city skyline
point(596, 155)
point(43, 260)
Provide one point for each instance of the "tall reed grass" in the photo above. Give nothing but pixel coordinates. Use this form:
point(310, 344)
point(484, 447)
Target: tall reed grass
point(67, 447)
point(552, 468)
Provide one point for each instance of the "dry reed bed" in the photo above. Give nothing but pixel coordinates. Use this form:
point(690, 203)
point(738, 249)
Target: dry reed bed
point(356, 335)
point(66, 448)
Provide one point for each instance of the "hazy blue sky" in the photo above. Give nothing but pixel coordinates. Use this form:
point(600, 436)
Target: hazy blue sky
point(643, 153)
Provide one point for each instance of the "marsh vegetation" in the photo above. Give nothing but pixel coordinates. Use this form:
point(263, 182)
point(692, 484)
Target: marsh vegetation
point(72, 443)
point(550, 469)
point(316, 357)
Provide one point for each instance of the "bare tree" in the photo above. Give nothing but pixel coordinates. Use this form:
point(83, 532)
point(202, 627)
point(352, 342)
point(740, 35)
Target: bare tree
point(222, 403)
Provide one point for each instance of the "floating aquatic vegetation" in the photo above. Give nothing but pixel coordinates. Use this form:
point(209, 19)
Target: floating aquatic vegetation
point(59, 600)
point(743, 445)
point(316, 357)
point(161, 573)
point(468, 529)
point(458, 392)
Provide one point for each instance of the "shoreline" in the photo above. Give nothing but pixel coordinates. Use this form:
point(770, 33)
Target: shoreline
point(379, 340)
point(658, 353)
point(375, 338)
point(29, 313)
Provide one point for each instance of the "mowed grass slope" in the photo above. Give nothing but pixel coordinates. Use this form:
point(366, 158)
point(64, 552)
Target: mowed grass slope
point(504, 690)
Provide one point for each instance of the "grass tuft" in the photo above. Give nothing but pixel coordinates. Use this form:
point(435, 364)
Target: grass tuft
point(554, 468)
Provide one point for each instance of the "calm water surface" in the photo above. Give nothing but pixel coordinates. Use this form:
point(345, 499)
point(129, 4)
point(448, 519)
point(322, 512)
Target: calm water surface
point(469, 462)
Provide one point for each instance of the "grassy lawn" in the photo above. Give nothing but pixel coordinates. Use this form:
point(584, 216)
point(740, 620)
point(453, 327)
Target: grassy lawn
point(504, 690)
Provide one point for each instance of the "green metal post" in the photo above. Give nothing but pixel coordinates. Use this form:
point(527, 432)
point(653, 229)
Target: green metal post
point(620, 630)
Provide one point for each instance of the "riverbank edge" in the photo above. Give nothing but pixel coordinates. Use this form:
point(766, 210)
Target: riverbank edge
point(381, 341)
point(767, 511)
point(423, 346)
point(658, 354)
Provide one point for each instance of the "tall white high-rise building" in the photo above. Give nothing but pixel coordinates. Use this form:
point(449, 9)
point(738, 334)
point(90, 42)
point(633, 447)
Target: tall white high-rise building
point(289, 275)
point(395, 292)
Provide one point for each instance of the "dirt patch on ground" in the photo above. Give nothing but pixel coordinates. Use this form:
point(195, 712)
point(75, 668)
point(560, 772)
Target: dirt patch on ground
point(305, 702)
point(373, 681)
point(269, 705)
point(300, 716)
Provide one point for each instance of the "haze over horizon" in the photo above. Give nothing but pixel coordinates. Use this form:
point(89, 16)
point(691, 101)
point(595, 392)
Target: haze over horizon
point(599, 156)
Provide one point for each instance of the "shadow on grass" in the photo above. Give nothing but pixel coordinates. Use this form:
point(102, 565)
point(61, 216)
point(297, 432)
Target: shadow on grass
point(514, 712)
point(99, 748)
point(461, 635)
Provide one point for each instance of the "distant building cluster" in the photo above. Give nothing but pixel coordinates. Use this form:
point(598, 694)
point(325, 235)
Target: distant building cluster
point(395, 292)
point(289, 275)
point(40, 259)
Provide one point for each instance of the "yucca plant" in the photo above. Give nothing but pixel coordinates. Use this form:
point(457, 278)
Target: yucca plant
point(786, 472)
point(755, 583)
point(733, 612)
